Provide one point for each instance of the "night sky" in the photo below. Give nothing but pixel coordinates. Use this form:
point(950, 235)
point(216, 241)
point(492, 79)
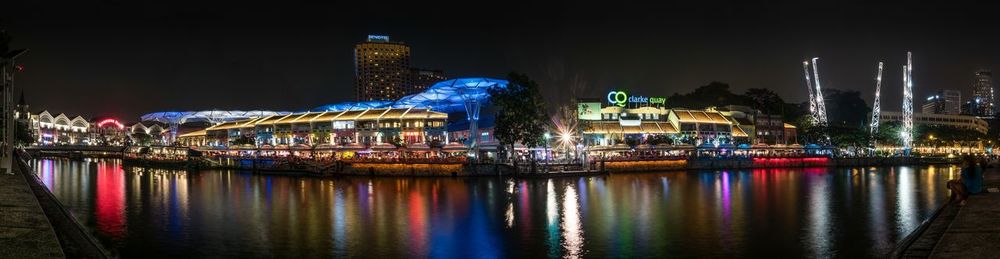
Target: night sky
point(125, 58)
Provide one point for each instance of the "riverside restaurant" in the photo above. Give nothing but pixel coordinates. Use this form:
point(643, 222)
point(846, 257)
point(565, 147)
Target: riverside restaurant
point(442, 121)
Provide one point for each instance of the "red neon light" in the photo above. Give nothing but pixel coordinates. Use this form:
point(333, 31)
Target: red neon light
point(790, 161)
point(117, 124)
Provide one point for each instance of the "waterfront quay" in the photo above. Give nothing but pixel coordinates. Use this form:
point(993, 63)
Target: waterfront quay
point(25, 231)
point(381, 163)
point(969, 231)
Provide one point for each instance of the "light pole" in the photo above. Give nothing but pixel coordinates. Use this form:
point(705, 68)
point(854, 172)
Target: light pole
point(546, 148)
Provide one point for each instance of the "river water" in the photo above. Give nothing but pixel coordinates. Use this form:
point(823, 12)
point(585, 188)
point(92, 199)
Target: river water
point(813, 212)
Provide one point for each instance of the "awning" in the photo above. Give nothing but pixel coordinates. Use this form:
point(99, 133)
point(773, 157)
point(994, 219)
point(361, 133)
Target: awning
point(454, 147)
point(384, 147)
point(418, 147)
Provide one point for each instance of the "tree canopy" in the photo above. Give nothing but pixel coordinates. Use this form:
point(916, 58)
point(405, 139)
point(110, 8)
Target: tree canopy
point(520, 113)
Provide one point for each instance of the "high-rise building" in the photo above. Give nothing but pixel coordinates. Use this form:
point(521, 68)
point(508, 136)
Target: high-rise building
point(944, 102)
point(982, 91)
point(381, 69)
point(932, 106)
point(420, 79)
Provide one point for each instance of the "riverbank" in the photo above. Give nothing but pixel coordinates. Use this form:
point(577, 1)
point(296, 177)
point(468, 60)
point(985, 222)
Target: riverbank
point(969, 231)
point(26, 231)
point(437, 168)
point(77, 240)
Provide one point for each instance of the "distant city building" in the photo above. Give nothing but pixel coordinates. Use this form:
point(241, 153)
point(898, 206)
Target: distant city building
point(970, 107)
point(982, 91)
point(944, 102)
point(959, 121)
point(420, 79)
point(381, 69)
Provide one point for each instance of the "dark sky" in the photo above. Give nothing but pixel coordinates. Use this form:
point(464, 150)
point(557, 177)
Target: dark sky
point(127, 58)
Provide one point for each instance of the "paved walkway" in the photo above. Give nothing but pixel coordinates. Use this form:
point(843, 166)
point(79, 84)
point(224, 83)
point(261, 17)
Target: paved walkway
point(975, 230)
point(25, 232)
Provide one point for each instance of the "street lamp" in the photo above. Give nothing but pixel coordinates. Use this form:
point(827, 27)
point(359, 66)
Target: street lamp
point(547, 136)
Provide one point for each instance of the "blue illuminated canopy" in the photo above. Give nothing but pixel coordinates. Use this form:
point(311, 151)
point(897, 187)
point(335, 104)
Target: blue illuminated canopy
point(213, 116)
point(352, 106)
point(445, 96)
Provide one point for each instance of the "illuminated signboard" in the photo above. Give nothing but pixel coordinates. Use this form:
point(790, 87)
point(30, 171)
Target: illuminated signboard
point(378, 38)
point(113, 122)
point(620, 98)
point(588, 111)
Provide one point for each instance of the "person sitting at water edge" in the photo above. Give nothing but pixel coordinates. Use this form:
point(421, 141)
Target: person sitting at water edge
point(958, 188)
point(974, 183)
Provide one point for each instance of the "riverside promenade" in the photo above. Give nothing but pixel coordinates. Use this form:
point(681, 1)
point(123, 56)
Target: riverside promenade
point(25, 231)
point(970, 231)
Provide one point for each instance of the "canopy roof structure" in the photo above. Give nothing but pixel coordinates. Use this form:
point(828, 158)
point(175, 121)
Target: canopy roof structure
point(446, 96)
point(212, 116)
point(352, 106)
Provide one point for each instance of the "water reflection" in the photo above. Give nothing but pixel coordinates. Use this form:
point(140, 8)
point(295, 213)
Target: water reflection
point(859, 212)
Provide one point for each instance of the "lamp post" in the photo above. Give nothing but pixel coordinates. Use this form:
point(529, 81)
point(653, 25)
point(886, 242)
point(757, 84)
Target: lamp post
point(546, 152)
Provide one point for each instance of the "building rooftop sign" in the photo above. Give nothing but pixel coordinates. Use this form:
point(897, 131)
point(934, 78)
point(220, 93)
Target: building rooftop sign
point(380, 38)
point(621, 98)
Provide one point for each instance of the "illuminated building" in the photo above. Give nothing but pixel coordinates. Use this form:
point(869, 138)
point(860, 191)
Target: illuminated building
point(421, 119)
point(186, 121)
point(958, 121)
point(61, 129)
point(627, 116)
point(763, 129)
point(107, 132)
point(369, 127)
point(982, 92)
point(381, 69)
point(944, 102)
point(149, 133)
point(420, 79)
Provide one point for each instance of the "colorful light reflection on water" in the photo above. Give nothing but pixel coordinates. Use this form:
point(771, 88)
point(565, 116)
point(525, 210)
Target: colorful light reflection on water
point(817, 212)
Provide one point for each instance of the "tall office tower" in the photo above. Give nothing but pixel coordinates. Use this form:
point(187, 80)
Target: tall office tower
point(982, 92)
point(420, 79)
point(381, 69)
point(944, 102)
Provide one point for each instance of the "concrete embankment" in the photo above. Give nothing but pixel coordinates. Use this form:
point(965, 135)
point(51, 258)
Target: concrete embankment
point(74, 239)
point(318, 168)
point(970, 231)
point(25, 231)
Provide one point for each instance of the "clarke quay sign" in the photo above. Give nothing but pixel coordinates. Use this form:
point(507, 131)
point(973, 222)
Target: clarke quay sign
point(621, 98)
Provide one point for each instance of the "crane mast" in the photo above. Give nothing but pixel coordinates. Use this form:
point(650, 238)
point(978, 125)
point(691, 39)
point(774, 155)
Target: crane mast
point(907, 134)
point(876, 105)
point(809, 86)
point(820, 104)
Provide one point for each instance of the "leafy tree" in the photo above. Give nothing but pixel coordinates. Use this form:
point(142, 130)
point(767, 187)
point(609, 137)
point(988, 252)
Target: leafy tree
point(765, 100)
point(24, 136)
point(712, 94)
point(850, 138)
point(520, 112)
point(845, 108)
point(888, 133)
point(141, 138)
point(808, 130)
